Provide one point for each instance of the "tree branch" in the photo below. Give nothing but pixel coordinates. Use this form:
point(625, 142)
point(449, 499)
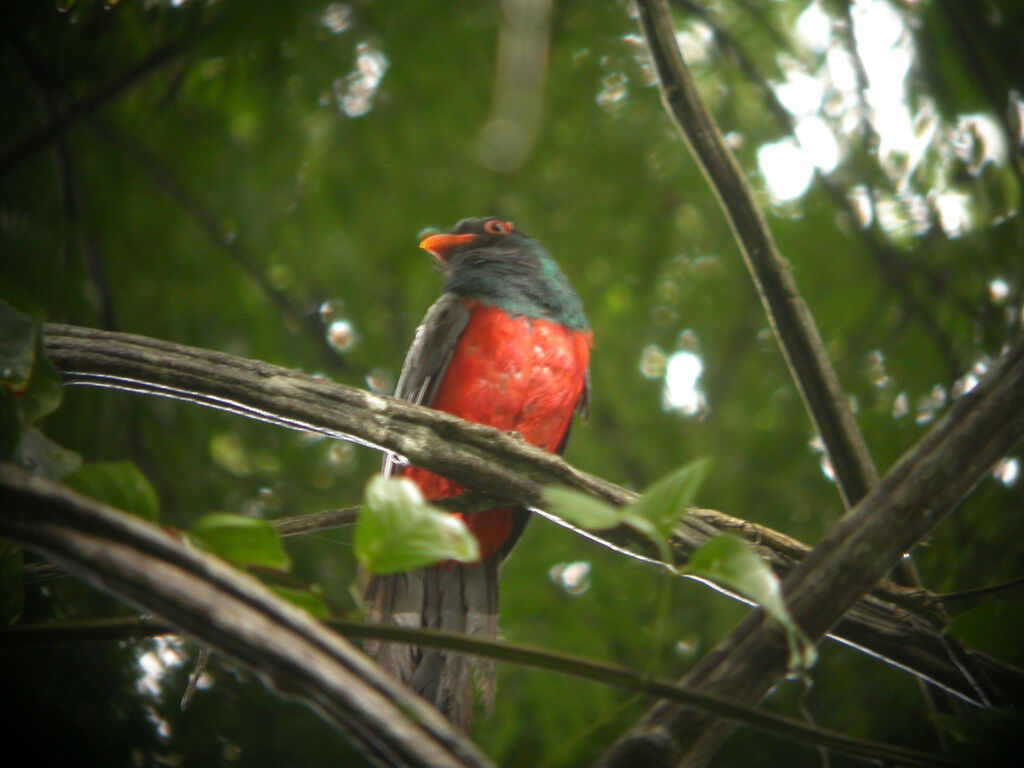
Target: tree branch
point(234, 614)
point(134, 628)
point(484, 458)
point(791, 320)
point(924, 485)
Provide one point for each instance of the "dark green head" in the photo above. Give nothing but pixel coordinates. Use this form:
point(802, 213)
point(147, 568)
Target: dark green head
point(490, 260)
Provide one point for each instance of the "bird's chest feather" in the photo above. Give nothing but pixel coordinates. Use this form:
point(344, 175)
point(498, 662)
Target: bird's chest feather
point(516, 373)
point(513, 373)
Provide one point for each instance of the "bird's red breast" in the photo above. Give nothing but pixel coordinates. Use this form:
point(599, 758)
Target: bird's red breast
point(514, 373)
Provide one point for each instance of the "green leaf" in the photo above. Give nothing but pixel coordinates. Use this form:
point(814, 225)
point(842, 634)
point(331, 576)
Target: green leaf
point(665, 502)
point(728, 561)
point(43, 394)
point(307, 600)
point(30, 387)
point(118, 483)
point(39, 454)
point(399, 531)
point(242, 540)
point(17, 346)
point(582, 510)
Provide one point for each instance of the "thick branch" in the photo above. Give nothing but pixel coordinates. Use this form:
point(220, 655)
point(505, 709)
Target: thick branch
point(483, 458)
point(924, 485)
point(234, 614)
point(794, 327)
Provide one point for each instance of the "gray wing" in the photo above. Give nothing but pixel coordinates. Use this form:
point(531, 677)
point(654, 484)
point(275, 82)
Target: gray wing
point(428, 357)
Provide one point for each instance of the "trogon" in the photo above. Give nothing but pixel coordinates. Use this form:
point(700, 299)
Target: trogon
point(508, 345)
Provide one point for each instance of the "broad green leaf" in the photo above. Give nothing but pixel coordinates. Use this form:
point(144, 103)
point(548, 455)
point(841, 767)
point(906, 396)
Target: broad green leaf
point(118, 483)
point(242, 540)
point(17, 346)
point(307, 600)
point(582, 510)
point(398, 530)
point(665, 502)
point(727, 560)
point(39, 454)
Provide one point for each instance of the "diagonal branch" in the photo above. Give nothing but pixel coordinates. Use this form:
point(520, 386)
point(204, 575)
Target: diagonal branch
point(923, 486)
point(234, 614)
point(790, 318)
point(905, 635)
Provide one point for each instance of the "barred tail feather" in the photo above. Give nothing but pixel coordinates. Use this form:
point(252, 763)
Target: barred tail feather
point(454, 598)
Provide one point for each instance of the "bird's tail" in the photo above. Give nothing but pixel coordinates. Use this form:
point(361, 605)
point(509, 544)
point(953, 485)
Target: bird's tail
point(451, 597)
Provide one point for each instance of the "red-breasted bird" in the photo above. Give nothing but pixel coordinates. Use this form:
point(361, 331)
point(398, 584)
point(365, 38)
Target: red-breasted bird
point(506, 345)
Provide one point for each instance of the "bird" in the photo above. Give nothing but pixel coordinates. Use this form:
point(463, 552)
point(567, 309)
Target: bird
point(508, 345)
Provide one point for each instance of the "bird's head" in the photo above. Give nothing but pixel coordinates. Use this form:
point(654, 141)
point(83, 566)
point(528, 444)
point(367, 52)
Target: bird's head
point(489, 259)
point(468, 235)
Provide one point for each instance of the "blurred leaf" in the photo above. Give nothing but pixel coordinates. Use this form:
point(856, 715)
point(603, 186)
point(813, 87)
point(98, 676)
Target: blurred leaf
point(118, 483)
point(665, 502)
point(17, 346)
point(582, 510)
point(242, 540)
point(306, 599)
point(727, 560)
point(44, 391)
point(399, 531)
point(30, 387)
point(39, 454)
point(12, 590)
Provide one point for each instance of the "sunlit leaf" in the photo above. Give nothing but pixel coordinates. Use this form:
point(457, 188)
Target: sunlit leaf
point(118, 483)
point(582, 510)
point(665, 502)
point(398, 530)
point(242, 540)
point(727, 560)
point(306, 599)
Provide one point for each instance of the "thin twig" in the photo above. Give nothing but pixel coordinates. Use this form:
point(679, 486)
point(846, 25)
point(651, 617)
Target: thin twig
point(133, 628)
point(41, 137)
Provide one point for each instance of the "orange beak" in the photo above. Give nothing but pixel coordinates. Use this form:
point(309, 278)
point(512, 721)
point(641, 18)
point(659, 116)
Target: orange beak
point(441, 245)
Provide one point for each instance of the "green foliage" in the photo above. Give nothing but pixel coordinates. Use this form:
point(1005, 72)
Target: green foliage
point(399, 531)
point(222, 197)
point(29, 386)
point(308, 600)
point(655, 514)
point(241, 540)
point(728, 560)
point(118, 483)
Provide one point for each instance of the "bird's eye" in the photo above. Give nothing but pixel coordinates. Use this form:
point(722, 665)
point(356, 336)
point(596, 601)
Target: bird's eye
point(495, 227)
